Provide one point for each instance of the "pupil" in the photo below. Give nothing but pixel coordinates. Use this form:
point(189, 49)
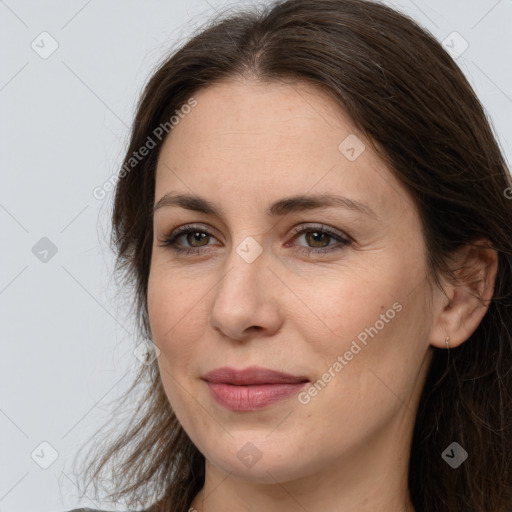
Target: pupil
point(317, 237)
point(197, 237)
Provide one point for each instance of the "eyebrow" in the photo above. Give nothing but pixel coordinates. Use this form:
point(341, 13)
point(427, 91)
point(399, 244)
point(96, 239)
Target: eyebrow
point(281, 207)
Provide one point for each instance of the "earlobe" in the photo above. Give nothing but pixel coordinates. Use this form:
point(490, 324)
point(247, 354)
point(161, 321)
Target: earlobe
point(466, 301)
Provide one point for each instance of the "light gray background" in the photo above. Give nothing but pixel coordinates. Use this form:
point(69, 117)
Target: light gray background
point(67, 340)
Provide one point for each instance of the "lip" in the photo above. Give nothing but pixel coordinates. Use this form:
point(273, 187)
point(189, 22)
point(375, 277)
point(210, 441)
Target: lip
point(251, 376)
point(252, 388)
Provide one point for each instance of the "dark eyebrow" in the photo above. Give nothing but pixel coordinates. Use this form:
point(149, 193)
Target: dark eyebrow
point(279, 208)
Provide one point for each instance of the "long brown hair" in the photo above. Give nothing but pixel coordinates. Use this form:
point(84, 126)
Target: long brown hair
point(412, 102)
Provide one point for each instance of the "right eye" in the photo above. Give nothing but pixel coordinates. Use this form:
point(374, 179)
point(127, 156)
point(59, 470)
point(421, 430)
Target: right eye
point(192, 235)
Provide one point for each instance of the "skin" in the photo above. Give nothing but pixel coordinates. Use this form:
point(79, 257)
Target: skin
point(245, 145)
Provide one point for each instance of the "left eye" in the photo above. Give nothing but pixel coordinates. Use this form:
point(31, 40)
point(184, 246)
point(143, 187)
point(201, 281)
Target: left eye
point(318, 237)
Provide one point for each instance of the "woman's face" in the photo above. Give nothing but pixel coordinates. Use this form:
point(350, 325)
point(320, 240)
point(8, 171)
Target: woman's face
point(257, 290)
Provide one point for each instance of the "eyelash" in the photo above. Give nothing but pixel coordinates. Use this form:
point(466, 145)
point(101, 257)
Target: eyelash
point(171, 240)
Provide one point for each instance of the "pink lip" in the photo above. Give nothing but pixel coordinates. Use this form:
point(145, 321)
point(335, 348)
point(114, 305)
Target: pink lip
point(252, 388)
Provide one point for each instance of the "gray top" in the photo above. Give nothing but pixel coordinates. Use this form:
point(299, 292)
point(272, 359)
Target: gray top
point(98, 510)
point(95, 510)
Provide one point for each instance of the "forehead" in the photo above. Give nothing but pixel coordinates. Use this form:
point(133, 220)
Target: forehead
point(254, 118)
point(250, 140)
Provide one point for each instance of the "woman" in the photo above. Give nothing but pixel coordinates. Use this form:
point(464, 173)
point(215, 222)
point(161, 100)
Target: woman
point(315, 215)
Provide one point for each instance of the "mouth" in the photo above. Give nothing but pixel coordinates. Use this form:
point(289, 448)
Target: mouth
point(252, 388)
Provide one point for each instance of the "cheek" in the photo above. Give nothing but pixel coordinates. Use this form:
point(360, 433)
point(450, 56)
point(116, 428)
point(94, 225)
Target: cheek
point(176, 318)
point(340, 307)
point(368, 331)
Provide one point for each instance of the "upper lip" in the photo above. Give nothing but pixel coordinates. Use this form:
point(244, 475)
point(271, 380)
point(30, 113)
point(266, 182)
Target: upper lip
point(251, 375)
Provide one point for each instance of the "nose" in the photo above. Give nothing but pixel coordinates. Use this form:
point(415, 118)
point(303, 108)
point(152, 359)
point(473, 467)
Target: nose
point(245, 302)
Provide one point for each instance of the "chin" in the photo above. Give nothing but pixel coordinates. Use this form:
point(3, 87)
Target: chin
point(262, 460)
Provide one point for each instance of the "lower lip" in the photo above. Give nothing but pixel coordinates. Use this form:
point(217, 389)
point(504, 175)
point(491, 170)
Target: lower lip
point(254, 397)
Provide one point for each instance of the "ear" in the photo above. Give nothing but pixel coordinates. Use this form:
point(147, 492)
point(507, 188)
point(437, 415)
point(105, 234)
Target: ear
point(458, 313)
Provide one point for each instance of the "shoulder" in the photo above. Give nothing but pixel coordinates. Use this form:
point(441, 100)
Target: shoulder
point(87, 510)
point(91, 510)
point(98, 510)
